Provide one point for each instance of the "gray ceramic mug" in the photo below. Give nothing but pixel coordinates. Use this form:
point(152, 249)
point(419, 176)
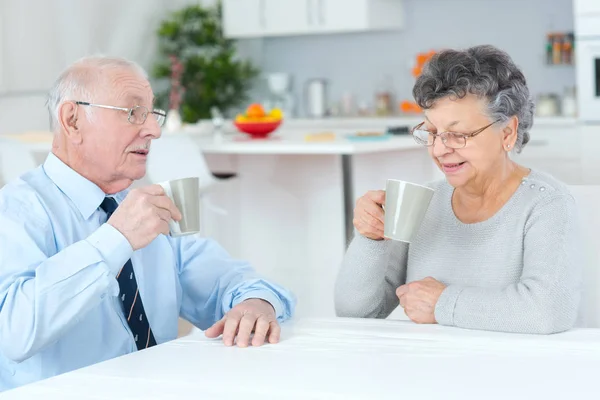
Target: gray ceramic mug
point(405, 207)
point(185, 193)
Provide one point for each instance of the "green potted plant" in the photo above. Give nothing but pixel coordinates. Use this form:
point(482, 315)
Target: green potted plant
point(196, 57)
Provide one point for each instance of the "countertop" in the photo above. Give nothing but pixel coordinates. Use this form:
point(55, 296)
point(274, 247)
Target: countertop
point(290, 138)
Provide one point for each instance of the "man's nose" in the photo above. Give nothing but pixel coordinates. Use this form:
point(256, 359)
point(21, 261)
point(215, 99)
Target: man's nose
point(151, 128)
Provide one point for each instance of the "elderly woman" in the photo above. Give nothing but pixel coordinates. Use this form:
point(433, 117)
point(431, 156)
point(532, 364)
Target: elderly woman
point(498, 247)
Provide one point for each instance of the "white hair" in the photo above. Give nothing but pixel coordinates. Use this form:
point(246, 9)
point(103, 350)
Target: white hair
point(80, 82)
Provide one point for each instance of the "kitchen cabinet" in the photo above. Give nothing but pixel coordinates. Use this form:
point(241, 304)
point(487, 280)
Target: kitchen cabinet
point(267, 18)
point(586, 7)
point(243, 18)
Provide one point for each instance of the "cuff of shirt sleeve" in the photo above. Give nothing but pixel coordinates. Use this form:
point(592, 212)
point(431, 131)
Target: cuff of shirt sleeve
point(444, 308)
point(112, 245)
point(263, 295)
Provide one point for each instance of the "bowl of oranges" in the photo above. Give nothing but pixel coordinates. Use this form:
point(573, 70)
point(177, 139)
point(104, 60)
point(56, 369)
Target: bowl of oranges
point(258, 123)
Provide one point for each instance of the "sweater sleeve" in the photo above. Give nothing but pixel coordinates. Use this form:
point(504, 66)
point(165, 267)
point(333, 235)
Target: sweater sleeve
point(368, 278)
point(546, 298)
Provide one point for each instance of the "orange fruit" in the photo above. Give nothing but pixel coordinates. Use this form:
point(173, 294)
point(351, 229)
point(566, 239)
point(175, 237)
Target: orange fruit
point(255, 111)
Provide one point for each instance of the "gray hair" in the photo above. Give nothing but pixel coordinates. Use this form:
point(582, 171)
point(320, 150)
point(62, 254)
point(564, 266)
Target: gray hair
point(82, 80)
point(486, 72)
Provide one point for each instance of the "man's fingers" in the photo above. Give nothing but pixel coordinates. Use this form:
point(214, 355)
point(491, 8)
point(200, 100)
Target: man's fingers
point(274, 332)
point(261, 330)
point(163, 214)
point(216, 330)
point(154, 190)
point(245, 329)
point(166, 203)
point(232, 323)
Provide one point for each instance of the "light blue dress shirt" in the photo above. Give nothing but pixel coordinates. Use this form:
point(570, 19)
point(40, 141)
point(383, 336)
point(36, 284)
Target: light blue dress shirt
point(59, 306)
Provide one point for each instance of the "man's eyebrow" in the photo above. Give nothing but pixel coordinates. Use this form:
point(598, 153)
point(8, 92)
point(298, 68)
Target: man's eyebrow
point(134, 99)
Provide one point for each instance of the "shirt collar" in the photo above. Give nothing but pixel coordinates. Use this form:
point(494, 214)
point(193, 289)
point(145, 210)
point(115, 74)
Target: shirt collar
point(86, 195)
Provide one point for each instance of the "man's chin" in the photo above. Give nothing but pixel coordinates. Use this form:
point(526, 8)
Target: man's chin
point(138, 173)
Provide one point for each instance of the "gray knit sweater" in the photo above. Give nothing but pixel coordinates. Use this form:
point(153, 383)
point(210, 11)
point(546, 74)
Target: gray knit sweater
point(518, 271)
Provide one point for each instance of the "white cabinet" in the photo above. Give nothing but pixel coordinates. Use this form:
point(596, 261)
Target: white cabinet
point(290, 17)
point(243, 18)
point(358, 15)
point(263, 18)
point(586, 7)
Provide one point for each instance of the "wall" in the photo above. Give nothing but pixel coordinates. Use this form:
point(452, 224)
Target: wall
point(36, 46)
point(358, 62)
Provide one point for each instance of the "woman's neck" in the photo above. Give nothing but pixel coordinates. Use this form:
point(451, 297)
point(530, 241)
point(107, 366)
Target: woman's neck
point(483, 197)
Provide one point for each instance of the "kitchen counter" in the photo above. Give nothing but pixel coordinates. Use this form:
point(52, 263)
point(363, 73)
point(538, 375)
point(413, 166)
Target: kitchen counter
point(400, 121)
point(354, 124)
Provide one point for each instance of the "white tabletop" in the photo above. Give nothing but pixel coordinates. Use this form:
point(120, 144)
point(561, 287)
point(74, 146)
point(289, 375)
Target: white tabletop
point(344, 359)
point(280, 142)
point(294, 143)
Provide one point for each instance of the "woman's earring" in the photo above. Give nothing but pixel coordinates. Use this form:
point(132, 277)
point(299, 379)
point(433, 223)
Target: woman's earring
point(507, 146)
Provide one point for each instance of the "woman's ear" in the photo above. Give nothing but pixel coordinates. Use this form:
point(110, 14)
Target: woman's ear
point(509, 132)
point(67, 118)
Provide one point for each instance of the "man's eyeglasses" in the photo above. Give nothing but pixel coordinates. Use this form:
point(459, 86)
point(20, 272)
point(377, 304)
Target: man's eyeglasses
point(136, 115)
point(450, 139)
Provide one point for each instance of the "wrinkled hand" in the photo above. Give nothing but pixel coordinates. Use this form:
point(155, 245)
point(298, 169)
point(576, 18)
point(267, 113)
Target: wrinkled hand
point(368, 214)
point(252, 315)
point(419, 299)
point(144, 214)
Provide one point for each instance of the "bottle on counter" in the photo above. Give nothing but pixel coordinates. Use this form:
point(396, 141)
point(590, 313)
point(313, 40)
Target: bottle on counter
point(347, 106)
point(384, 98)
point(569, 102)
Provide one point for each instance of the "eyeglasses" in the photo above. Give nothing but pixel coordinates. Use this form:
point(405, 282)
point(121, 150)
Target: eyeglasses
point(136, 115)
point(450, 139)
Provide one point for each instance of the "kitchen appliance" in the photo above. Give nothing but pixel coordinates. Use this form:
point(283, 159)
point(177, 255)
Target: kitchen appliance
point(315, 98)
point(280, 86)
point(587, 53)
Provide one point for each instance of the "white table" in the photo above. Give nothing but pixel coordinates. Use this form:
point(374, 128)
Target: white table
point(345, 359)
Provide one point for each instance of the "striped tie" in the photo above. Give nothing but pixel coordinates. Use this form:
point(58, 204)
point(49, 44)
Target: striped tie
point(130, 296)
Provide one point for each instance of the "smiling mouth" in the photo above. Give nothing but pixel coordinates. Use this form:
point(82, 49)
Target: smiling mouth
point(453, 165)
point(141, 152)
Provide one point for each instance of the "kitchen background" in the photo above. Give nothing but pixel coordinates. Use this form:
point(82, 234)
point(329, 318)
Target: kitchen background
point(356, 66)
point(288, 203)
point(362, 64)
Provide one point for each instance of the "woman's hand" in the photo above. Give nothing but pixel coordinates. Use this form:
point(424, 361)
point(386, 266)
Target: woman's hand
point(419, 299)
point(368, 214)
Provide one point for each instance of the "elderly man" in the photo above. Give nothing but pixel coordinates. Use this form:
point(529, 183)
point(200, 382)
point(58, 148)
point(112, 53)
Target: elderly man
point(87, 269)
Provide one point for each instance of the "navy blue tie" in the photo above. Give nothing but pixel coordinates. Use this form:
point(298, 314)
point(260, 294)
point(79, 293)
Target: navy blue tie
point(130, 296)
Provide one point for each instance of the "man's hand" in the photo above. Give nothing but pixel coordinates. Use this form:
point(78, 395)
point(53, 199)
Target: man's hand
point(419, 299)
point(144, 214)
point(252, 315)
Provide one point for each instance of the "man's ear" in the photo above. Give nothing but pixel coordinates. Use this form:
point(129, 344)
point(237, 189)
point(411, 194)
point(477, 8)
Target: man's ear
point(67, 118)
